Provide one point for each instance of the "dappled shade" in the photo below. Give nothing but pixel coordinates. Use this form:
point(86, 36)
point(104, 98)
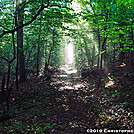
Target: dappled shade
point(66, 67)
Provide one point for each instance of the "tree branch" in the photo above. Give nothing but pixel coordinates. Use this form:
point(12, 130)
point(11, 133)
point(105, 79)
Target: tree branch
point(3, 27)
point(4, 59)
point(92, 7)
point(19, 9)
point(23, 25)
point(104, 42)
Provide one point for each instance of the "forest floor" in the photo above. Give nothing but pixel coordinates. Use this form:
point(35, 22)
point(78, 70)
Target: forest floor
point(67, 104)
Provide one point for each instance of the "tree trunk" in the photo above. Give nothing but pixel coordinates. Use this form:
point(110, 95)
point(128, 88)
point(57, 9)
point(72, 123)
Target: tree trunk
point(38, 53)
point(132, 53)
point(98, 63)
point(93, 54)
point(121, 54)
point(102, 54)
point(51, 49)
point(20, 47)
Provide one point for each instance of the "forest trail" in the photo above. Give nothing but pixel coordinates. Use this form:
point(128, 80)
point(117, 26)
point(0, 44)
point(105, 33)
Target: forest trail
point(80, 106)
point(62, 105)
point(68, 78)
point(66, 104)
point(38, 36)
point(73, 113)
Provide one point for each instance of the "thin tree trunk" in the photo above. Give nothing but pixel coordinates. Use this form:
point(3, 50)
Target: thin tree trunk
point(132, 53)
point(51, 50)
point(102, 54)
point(121, 54)
point(38, 53)
point(114, 57)
point(93, 54)
point(98, 63)
point(20, 47)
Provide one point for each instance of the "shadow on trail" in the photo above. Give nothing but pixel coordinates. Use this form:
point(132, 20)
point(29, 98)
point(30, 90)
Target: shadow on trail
point(65, 105)
point(74, 110)
point(62, 105)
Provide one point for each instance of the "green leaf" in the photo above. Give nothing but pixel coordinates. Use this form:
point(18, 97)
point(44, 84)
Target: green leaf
point(122, 32)
point(102, 52)
point(113, 95)
point(105, 95)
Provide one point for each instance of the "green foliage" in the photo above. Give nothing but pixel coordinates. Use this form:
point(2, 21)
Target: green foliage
point(50, 20)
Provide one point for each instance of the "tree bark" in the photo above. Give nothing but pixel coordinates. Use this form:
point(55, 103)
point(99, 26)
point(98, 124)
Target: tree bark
point(121, 54)
point(93, 54)
point(99, 44)
point(102, 54)
point(20, 48)
point(38, 53)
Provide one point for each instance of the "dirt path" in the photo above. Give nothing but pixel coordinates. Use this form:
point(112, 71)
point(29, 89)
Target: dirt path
point(74, 112)
point(64, 105)
point(60, 106)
